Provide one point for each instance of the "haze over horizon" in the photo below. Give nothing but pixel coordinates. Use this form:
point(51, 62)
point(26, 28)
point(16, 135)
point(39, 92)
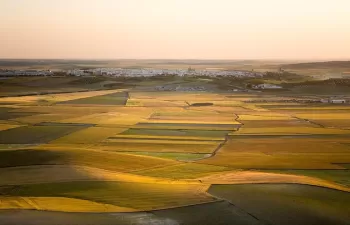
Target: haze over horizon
point(175, 29)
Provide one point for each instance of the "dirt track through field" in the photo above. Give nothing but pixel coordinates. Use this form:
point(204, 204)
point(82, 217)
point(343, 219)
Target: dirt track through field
point(227, 138)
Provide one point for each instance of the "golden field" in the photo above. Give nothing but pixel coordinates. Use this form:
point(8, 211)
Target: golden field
point(155, 150)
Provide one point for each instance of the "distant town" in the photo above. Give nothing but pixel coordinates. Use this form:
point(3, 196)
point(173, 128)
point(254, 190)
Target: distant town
point(9, 73)
point(142, 72)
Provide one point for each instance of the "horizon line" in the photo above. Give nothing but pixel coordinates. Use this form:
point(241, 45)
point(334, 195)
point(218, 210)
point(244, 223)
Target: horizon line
point(180, 59)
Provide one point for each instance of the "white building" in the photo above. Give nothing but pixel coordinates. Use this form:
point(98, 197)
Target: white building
point(334, 101)
point(337, 101)
point(266, 86)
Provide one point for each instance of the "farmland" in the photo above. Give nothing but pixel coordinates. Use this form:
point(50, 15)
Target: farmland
point(149, 196)
point(288, 204)
point(164, 154)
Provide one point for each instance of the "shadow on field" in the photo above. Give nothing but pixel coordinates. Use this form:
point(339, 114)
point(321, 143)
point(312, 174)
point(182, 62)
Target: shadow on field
point(288, 204)
point(41, 133)
point(34, 173)
point(17, 158)
point(218, 213)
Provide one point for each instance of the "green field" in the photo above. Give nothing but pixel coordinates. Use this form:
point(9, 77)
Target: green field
point(110, 99)
point(36, 134)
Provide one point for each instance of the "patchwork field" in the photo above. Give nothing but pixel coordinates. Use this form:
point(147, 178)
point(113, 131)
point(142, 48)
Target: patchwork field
point(133, 150)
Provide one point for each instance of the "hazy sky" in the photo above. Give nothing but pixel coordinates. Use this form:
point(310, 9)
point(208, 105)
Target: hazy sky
point(191, 29)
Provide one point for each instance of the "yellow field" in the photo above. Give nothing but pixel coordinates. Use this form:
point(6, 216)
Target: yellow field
point(91, 135)
point(66, 173)
point(183, 171)
point(59, 204)
point(325, 116)
point(342, 123)
point(224, 110)
point(315, 108)
point(292, 153)
point(39, 118)
point(256, 160)
point(189, 126)
point(287, 145)
point(277, 123)
point(92, 157)
point(8, 126)
point(164, 141)
point(64, 109)
point(158, 152)
point(139, 196)
point(185, 96)
point(289, 131)
point(264, 117)
point(222, 103)
point(285, 105)
point(255, 108)
point(155, 103)
point(201, 120)
point(251, 177)
point(57, 97)
point(131, 146)
point(120, 116)
point(169, 138)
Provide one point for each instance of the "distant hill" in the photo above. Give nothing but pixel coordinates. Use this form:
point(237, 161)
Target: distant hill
point(319, 65)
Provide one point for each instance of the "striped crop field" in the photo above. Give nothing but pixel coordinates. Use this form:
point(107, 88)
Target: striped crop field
point(165, 152)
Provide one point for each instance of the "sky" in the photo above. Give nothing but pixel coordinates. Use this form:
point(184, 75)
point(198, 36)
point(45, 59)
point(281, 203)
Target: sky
point(175, 29)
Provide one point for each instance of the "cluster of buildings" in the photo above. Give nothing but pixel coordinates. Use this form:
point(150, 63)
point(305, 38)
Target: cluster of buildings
point(180, 88)
point(138, 72)
point(11, 73)
point(266, 86)
point(334, 100)
point(156, 72)
point(346, 75)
